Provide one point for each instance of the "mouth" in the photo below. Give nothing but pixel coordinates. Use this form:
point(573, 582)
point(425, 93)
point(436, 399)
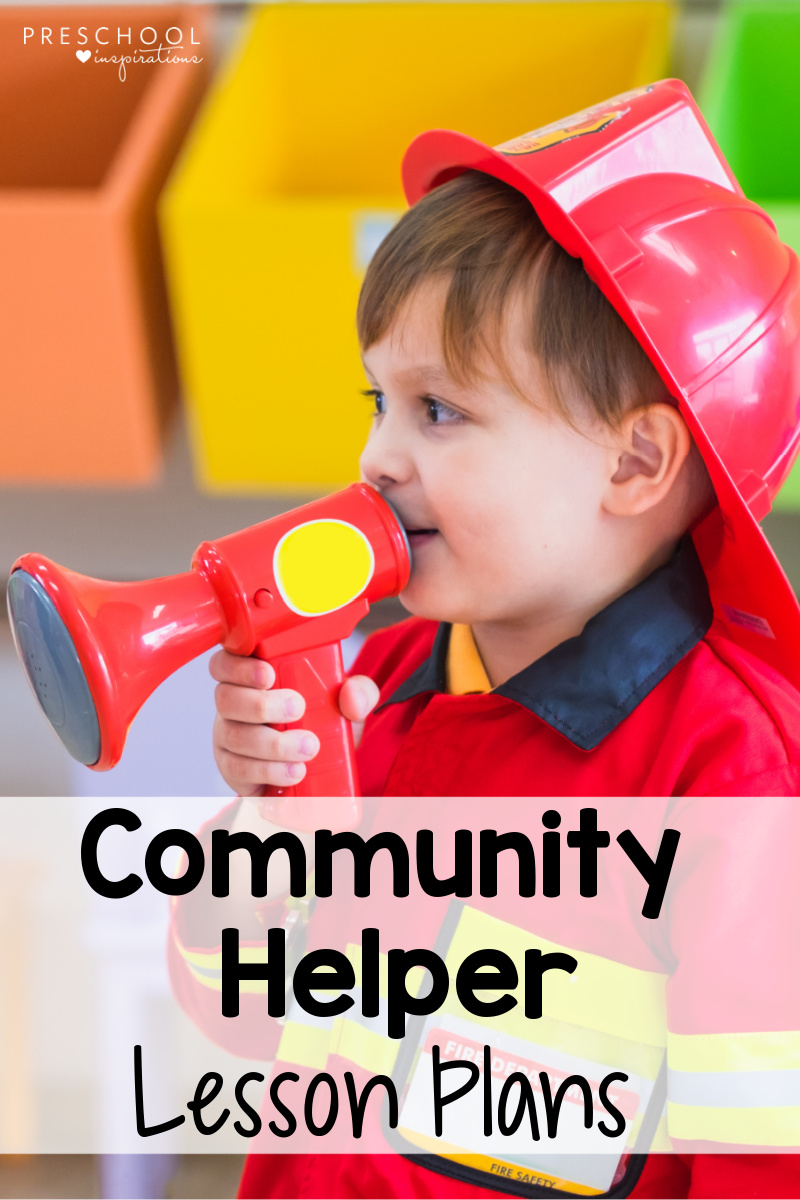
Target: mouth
point(416, 537)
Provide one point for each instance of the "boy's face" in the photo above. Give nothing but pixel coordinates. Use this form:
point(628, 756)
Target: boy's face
point(501, 499)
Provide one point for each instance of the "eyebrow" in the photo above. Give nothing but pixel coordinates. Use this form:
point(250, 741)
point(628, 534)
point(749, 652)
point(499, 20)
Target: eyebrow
point(416, 376)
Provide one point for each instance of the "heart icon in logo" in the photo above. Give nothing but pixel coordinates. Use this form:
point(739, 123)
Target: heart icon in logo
point(83, 55)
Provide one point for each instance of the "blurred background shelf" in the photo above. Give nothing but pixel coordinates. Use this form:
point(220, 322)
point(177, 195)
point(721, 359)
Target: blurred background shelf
point(77, 1176)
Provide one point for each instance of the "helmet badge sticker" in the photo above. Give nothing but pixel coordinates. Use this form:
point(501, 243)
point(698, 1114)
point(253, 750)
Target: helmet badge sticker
point(588, 120)
point(562, 131)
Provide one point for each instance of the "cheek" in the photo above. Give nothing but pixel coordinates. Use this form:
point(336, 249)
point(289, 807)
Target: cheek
point(535, 497)
point(471, 491)
point(498, 497)
point(469, 509)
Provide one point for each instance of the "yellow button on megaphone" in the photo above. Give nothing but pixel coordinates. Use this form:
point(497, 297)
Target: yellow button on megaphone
point(322, 565)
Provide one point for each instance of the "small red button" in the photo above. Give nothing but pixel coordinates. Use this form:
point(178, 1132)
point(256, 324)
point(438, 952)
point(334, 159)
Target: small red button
point(263, 598)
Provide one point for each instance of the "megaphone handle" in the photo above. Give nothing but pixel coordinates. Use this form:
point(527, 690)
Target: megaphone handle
point(328, 795)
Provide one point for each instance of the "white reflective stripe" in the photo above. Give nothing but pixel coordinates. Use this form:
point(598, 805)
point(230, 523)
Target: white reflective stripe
point(354, 1016)
point(299, 1016)
point(735, 1089)
point(206, 972)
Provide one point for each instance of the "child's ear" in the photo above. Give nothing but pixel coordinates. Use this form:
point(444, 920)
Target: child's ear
point(647, 454)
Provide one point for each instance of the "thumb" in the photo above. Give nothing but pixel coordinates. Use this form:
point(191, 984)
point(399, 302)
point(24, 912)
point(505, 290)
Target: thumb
point(358, 696)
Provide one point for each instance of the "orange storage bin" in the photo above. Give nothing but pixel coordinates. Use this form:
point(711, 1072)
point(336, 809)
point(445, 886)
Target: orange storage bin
point(88, 369)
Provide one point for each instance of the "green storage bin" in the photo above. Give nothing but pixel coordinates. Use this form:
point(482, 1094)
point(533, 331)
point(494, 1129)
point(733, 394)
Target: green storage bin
point(750, 97)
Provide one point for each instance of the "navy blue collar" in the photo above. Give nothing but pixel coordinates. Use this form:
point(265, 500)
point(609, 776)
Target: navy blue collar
point(587, 685)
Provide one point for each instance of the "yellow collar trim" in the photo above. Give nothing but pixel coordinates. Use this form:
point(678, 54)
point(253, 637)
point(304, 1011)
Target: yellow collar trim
point(465, 671)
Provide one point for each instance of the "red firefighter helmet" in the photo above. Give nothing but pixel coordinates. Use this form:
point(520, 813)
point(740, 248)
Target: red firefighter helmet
point(638, 189)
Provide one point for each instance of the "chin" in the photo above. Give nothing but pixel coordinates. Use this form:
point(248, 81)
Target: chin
point(412, 605)
point(431, 605)
point(420, 602)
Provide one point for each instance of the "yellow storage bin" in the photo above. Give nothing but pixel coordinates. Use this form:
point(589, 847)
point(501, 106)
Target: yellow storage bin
point(291, 178)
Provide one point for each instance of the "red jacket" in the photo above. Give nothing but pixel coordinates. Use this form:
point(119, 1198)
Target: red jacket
point(648, 701)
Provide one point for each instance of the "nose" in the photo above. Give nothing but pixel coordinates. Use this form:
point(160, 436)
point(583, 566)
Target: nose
point(386, 459)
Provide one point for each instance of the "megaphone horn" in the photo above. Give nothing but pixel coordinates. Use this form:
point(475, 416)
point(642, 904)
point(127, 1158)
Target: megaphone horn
point(94, 651)
point(288, 589)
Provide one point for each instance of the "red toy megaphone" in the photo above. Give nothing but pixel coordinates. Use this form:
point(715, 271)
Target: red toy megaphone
point(287, 590)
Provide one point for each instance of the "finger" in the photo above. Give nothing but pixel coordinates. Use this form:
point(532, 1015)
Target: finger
point(237, 669)
point(256, 706)
point(265, 743)
point(247, 775)
point(358, 697)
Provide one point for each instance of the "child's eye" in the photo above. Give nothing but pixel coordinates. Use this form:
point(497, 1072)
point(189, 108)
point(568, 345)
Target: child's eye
point(378, 399)
point(440, 413)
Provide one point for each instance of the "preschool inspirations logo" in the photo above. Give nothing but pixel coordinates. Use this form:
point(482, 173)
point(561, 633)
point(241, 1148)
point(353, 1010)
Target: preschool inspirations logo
point(120, 46)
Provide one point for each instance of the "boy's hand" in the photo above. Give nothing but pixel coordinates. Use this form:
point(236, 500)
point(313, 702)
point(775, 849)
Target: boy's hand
point(248, 752)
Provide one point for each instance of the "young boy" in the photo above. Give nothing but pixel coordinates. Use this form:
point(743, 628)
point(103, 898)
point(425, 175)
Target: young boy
point(582, 349)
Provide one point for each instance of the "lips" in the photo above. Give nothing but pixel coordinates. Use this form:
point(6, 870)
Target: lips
point(415, 532)
point(417, 537)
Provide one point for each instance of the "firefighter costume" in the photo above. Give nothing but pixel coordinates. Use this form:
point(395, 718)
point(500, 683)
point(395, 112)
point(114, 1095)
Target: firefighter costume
point(684, 687)
point(436, 732)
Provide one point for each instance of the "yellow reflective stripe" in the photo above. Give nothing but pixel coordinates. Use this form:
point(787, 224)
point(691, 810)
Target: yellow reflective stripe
point(728, 1087)
point(303, 1045)
point(734, 1051)
point(606, 996)
point(628, 1038)
point(735, 1126)
point(206, 968)
point(212, 959)
point(413, 979)
point(310, 1044)
point(633, 1132)
point(353, 952)
point(661, 1143)
point(201, 958)
point(365, 1048)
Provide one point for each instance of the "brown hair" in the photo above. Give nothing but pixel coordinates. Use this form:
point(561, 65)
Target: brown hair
point(485, 237)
